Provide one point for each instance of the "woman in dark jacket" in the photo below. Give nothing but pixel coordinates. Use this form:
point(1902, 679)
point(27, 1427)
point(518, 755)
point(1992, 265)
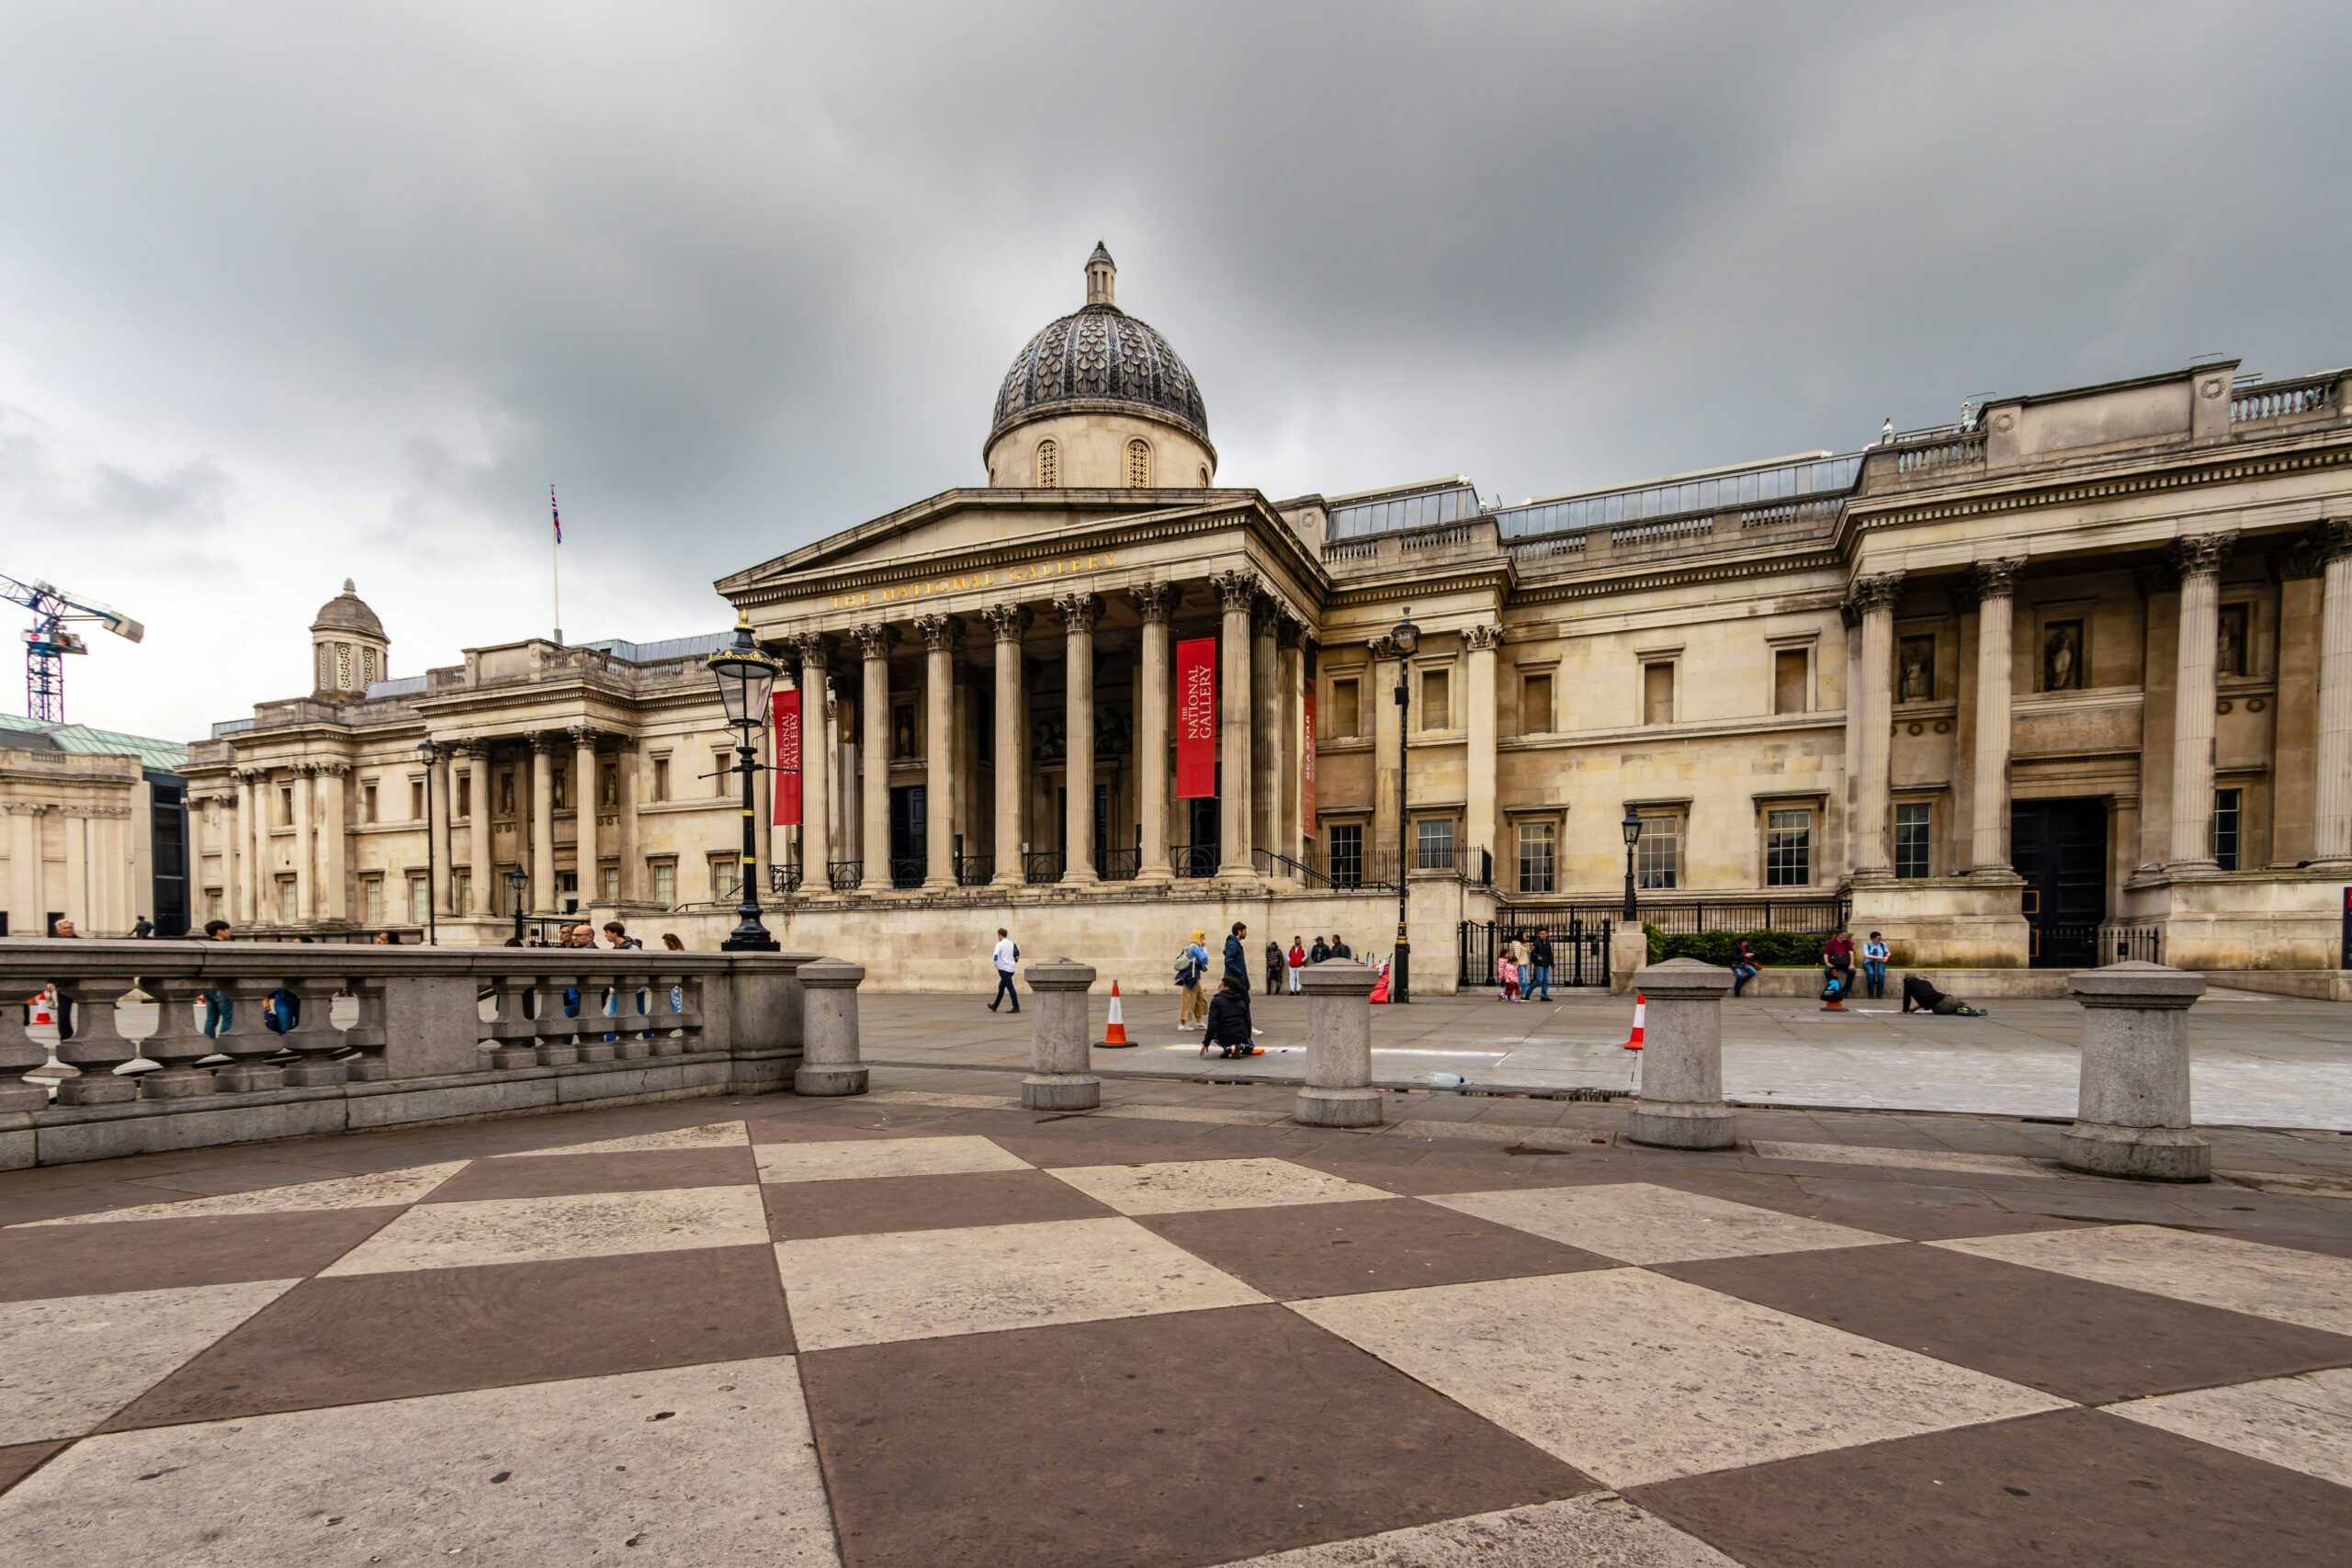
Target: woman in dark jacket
point(1229, 1026)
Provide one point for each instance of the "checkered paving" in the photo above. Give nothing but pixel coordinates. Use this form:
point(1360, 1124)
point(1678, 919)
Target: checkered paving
point(840, 1337)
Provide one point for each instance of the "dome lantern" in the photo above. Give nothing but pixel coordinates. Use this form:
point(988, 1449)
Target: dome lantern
point(349, 651)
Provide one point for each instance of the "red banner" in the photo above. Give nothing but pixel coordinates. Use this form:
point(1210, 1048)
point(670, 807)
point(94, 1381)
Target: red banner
point(1196, 719)
point(1307, 769)
point(786, 708)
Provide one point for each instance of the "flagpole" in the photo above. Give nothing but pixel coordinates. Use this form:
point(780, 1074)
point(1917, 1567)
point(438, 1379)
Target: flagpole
point(555, 565)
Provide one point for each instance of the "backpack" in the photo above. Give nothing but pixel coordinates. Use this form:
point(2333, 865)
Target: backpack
point(1188, 971)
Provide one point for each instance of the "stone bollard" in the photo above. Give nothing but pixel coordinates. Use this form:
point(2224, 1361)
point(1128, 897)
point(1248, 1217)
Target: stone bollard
point(1683, 1062)
point(2131, 1113)
point(1338, 1092)
point(1060, 1041)
point(828, 1060)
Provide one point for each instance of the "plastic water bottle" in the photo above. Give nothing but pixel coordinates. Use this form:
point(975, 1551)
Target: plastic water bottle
point(1445, 1080)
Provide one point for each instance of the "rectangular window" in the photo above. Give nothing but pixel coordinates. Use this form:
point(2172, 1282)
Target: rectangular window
point(1538, 858)
point(420, 898)
point(1657, 855)
point(608, 786)
point(1788, 849)
point(461, 891)
point(286, 901)
point(609, 883)
point(2230, 656)
point(2228, 817)
point(661, 778)
point(465, 797)
point(416, 800)
point(558, 786)
point(1437, 699)
point(1912, 823)
point(722, 763)
point(665, 882)
point(1347, 710)
point(1535, 705)
point(1347, 854)
point(723, 876)
point(1789, 680)
point(285, 805)
point(1658, 693)
point(1433, 844)
point(215, 905)
point(368, 802)
point(371, 900)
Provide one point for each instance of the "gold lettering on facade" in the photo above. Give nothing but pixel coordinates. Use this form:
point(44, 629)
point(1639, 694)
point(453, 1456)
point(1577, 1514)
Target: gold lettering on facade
point(970, 582)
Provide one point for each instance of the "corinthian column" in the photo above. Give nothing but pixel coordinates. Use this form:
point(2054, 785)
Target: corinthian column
point(1008, 623)
point(2199, 559)
point(1079, 613)
point(238, 859)
point(305, 853)
point(543, 893)
point(583, 814)
point(939, 633)
point(1153, 601)
point(335, 845)
point(2332, 801)
point(1873, 599)
point(1265, 727)
point(1238, 589)
point(874, 641)
point(481, 869)
point(444, 792)
point(1478, 813)
point(815, 765)
point(1988, 815)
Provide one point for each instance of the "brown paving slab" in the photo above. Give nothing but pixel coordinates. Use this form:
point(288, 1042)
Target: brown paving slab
point(1916, 1213)
point(1329, 1249)
point(2076, 1339)
point(798, 1211)
point(2077, 1487)
point(1049, 1151)
point(1432, 1175)
point(360, 1337)
point(40, 1261)
point(20, 1459)
point(565, 1176)
point(805, 1129)
point(1187, 1438)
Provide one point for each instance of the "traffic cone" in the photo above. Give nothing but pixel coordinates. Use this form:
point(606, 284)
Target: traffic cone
point(1118, 1033)
point(41, 1009)
point(1641, 1011)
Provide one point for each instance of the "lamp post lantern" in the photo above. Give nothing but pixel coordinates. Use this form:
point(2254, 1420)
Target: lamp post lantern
point(432, 754)
point(1633, 830)
point(745, 678)
point(516, 880)
point(1407, 638)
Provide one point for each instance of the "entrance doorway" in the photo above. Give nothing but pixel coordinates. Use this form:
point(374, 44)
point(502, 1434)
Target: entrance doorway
point(2060, 848)
point(908, 846)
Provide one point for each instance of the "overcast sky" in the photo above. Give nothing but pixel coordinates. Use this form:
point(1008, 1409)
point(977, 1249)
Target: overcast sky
point(291, 293)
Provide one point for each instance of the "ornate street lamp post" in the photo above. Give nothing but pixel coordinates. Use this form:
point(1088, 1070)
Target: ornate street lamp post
point(1633, 830)
point(745, 677)
point(516, 880)
point(432, 754)
point(1407, 638)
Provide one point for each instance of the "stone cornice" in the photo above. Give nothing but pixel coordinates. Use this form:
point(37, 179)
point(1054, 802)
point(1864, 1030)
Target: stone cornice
point(1657, 575)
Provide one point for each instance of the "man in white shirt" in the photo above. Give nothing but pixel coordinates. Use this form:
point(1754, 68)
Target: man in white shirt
point(1006, 958)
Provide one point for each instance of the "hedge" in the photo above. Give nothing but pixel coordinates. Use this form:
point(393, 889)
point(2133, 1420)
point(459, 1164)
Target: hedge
point(1774, 950)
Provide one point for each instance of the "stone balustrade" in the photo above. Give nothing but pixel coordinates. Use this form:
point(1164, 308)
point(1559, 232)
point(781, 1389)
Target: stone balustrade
point(171, 1043)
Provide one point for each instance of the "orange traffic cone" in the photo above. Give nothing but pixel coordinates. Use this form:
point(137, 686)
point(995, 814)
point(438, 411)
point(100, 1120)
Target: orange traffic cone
point(42, 1011)
point(1118, 1033)
point(1641, 1011)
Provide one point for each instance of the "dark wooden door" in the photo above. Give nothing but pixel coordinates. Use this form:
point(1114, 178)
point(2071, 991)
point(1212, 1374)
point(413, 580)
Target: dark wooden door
point(2060, 848)
point(909, 846)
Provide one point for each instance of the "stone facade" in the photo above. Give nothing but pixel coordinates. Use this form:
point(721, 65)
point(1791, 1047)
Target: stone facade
point(2068, 678)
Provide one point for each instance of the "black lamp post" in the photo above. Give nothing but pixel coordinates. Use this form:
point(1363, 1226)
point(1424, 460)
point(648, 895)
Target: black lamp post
point(516, 880)
point(431, 753)
point(1632, 829)
point(1407, 638)
point(745, 677)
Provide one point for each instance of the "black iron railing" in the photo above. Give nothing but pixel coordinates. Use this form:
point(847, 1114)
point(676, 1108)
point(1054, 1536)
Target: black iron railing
point(1580, 952)
point(2124, 945)
point(1041, 865)
point(784, 878)
point(1689, 916)
point(1268, 864)
point(973, 871)
point(1120, 864)
point(1193, 860)
point(905, 870)
point(845, 875)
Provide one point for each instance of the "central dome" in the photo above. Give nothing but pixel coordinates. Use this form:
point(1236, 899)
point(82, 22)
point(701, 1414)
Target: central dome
point(1099, 359)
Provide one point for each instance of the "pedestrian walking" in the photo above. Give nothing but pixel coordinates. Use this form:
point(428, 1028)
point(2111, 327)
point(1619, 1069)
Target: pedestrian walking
point(1276, 962)
point(1191, 982)
point(1507, 973)
point(1297, 965)
point(1005, 960)
point(1874, 957)
point(219, 1009)
point(1538, 955)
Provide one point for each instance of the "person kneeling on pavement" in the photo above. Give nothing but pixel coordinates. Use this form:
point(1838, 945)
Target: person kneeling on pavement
point(1921, 997)
point(1228, 1027)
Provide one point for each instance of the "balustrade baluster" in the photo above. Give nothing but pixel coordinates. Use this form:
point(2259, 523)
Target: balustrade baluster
point(630, 1000)
point(594, 1046)
point(248, 1042)
point(366, 1035)
point(314, 1041)
point(20, 1053)
point(517, 1035)
point(98, 1047)
point(690, 1013)
point(557, 1027)
point(177, 1045)
point(666, 1005)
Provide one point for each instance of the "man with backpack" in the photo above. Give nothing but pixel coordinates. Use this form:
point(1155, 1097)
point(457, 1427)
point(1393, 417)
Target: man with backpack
point(1005, 959)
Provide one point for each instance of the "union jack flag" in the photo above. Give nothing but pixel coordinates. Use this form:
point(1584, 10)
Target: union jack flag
point(555, 516)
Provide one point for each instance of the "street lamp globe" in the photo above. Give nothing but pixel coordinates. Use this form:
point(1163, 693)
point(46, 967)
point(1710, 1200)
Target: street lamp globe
point(745, 677)
point(1407, 634)
point(1631, 826)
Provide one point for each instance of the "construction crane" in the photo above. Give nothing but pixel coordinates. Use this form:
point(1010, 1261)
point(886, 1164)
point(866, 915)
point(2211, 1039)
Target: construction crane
point(48, 642)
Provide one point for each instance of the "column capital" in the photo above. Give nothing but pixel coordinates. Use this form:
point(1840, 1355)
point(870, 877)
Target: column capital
point(938, 631)
point(583, 735)
point(1877, 591)
point(2308, 553)
point(1289, 630)
point(1238, 589)
point(875, 639)
point(1079, 611)
point(1008, 623)
point(1994, 579)
point(327, 770)
point(1154, 600)
point(1383, 649)
point(814, 649)
point(464, 747)
point(2201, 554)
point(1484, 637)
point(540, 741)
point(2155, 577)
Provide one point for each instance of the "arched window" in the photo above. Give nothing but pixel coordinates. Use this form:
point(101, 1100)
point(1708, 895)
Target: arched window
point(1049, 465)
point(1205, 478)
point(1138, 464)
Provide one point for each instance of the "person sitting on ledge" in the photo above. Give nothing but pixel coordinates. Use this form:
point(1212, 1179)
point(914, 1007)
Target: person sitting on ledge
point(1921, 997)
point(1228, 1027)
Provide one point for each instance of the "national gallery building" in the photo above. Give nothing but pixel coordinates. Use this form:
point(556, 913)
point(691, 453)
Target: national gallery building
point(2069, 678)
